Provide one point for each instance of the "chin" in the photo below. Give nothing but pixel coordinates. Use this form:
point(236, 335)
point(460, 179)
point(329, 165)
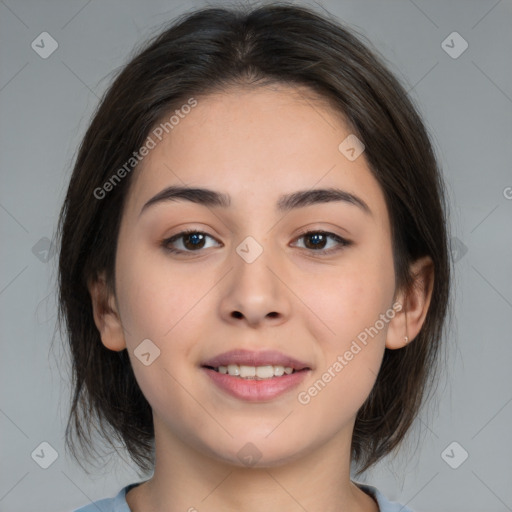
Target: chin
point(258, 453)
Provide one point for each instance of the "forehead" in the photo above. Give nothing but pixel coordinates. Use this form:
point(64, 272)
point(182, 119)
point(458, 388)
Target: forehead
point(255, 145)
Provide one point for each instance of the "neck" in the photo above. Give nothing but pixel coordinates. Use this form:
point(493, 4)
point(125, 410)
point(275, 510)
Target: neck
point(188, 480)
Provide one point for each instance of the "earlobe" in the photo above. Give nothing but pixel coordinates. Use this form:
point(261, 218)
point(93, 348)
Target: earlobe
point(415, 302)
point(106, 316)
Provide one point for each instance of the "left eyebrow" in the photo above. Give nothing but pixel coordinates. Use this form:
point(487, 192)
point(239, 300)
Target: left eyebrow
point(285, 203)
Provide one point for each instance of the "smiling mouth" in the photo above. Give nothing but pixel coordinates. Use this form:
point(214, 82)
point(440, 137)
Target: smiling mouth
point(255, 372)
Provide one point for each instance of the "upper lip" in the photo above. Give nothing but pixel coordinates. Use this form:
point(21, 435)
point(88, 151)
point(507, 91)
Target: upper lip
point(251, 358)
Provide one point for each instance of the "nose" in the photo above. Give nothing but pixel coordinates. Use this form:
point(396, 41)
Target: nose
point(255, 293)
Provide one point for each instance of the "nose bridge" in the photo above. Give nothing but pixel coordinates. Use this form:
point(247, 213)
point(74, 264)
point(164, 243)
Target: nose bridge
point(251, 265)
point(255, 292)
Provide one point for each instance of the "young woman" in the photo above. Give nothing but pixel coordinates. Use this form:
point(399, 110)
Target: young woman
point(254, 271)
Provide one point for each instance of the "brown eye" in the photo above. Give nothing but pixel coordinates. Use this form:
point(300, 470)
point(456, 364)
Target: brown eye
point(316, 241)
point(194, 241)
point(190, 241)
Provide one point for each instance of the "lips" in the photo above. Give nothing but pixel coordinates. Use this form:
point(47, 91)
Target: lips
point(251, 358)
point(255, 376)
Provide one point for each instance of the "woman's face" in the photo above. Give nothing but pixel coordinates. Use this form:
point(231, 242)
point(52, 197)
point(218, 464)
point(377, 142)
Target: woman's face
point(247, 280)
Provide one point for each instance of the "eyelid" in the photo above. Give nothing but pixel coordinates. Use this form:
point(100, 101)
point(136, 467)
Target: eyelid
point(309, 229)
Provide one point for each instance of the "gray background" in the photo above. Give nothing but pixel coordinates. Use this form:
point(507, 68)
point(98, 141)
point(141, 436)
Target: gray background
point(467, 104)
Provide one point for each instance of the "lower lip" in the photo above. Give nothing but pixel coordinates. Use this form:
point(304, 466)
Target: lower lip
point(253, 390)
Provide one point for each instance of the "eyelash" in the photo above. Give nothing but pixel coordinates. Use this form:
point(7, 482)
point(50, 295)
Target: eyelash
point(342, 242)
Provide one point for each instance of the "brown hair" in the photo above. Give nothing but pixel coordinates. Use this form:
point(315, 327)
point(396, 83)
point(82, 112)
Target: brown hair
point(211, 49)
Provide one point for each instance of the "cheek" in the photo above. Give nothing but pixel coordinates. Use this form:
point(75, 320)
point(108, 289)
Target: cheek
point(350, 346)
point(164, 302)
point(350, 332)
point(349, 299)
point(156, 305)
point(157, 299)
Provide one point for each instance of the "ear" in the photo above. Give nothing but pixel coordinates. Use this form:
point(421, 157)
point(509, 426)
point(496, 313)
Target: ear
point(106, 316)
point(415, 302)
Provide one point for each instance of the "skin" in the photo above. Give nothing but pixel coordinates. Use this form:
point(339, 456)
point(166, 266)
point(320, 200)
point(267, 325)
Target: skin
point(255, 144)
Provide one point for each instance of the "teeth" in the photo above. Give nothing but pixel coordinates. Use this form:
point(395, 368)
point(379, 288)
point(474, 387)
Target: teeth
point(264, 372)
point(255, 372)
point(278, 371)
point(247, 371)
point(233, 369)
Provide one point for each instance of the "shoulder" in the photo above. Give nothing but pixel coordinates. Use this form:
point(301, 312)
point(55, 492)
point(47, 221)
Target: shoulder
point(115, 504)
point(384, 504)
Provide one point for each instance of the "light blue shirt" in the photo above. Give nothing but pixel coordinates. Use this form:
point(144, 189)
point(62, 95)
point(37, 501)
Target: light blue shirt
point(118, 504)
